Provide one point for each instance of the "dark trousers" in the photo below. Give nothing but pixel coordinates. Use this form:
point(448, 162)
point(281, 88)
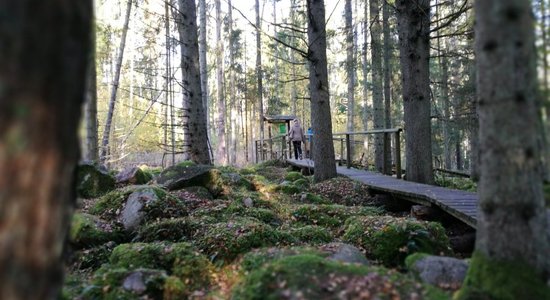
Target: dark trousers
point(297, 145)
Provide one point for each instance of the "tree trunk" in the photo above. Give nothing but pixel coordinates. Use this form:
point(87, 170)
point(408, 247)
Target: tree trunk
point(43, 57)
point(293, 92)
point(232, 96)
point(447, 149)
point(114, 88)
point(350, 70)
point(222, 112)
point(203, 50)
point(323, 147)
point(366, 111)
point(387, 81)
point(90, 108)
point(511, 201)
point(414, 46)
point(377, 84)
point(259, 73)
point(197, 143)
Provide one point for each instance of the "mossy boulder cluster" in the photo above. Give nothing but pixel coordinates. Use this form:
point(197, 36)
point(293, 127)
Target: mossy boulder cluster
point(263, 232)
point(93, 180)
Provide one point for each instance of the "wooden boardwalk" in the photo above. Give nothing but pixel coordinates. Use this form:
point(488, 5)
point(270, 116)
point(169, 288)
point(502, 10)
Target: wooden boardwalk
point(460, 204)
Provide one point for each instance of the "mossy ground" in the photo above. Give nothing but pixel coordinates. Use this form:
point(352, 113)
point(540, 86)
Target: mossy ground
point(261, 236)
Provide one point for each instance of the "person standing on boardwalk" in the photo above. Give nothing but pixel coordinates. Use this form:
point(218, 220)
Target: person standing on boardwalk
point(296, 135)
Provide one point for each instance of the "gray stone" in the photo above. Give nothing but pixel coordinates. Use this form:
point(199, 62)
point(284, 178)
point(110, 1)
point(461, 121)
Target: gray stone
point(345, 253)
point(248, 202)
point(179, 177)
point(132, 214)
point(134, 283)
point(132, 175)
point(444, 272)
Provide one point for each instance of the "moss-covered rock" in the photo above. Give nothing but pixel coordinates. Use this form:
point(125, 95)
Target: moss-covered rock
point(314, 277)
point(227, 240)
point(310, 198)
point(391, 239)
point(342, 190)
point(179, 259)
point(331, 216)
point(179, 177)
point(311, 234)
point(93, 258)
point(111, 206)
point(506, 280)
point(293, 176)
point(125, 284)
point(89, 230)
point(257, 258)
point(133, 175)
point(290, 189)
point(174, 230)
point(93, 181)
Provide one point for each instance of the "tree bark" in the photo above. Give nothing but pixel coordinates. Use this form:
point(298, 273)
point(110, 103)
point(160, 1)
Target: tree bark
point(377, 83)
point(511, 201)
point(366, 110)
point(222, 111)
point(323, 147)
point(387, 81)
point(350, 70)
point(43, 58)
point(197, 143)
point(90, 108)
point(203, 50)
point(114, 88)
point(232, 92)
point(414, 46)
point(259, 73)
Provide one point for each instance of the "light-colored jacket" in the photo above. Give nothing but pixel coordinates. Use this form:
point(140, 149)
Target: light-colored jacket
point(296, 133)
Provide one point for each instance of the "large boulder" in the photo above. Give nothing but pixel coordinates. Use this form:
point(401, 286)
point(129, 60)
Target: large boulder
point(133, 212)
point(133, 175)
point(179, 177)
point(89, 230)
point(93, 181)
point(309, 276)
point(345, 253)
point(390, 239)
point(443, 272)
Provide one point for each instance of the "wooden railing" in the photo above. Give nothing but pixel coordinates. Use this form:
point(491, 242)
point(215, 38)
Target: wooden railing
point(279, 147)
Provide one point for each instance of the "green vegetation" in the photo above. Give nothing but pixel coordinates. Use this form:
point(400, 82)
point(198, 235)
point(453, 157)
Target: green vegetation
point(493, 279)
point(257, 240)
point(93, 182)
point(391, 239)
point(457, 183)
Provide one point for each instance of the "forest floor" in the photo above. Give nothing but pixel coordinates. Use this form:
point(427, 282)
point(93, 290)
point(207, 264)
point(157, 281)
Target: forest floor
point(262, 232)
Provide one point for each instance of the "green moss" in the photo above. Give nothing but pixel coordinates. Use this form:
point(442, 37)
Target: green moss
point(494, 279)
point(314, 199)
point(310, 276)
point(107, 284)
point(256, 259)
point(311, 234)
point(179, 259)
point(330, 216)
point(265, 215)
point(93, 258)
point(302, 183)
point(168, 206)
point(342, 190)
point(186, 163)
point(457, 183)
point(290, 189)
point(390, 239)
point(225, 241)
point(73, 286)
point(174, 230)
point(293, 176)
point(413, 258)
point(92, 182)
point(88, 230)
point(174, 289)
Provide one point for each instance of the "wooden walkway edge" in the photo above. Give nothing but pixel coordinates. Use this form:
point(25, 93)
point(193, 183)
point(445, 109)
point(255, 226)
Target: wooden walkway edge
point(460, 204)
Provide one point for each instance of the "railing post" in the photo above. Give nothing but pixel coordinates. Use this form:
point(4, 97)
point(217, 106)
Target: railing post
point(256, 151)
point(397, 155)
point(341, 151)
point(348, 152)
point(283, 146)
point(386, 154)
